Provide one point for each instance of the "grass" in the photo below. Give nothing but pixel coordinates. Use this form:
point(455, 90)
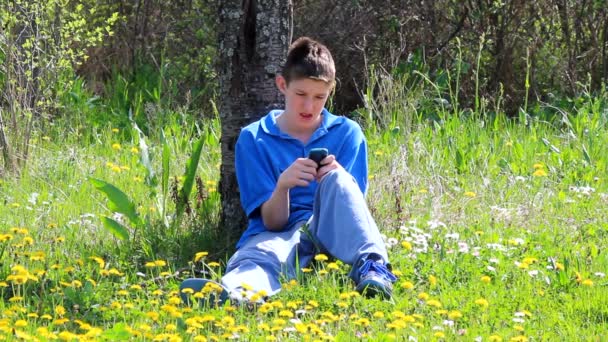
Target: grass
point(496, 227)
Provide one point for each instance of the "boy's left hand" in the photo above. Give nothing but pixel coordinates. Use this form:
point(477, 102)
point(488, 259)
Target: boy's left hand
point(327, 164)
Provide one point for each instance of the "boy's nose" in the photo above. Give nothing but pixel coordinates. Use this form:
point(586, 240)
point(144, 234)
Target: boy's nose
point(308, 105)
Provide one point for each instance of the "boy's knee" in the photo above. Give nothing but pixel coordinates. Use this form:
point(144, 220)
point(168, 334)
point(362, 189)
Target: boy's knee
point(337, 176)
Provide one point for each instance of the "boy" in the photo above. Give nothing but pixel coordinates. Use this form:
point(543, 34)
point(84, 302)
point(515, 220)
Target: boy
point(296, 207)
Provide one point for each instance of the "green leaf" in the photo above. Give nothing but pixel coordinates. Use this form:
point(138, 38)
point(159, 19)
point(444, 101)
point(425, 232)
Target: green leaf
point(115, 228)
point(117, 200)
point(191, 166)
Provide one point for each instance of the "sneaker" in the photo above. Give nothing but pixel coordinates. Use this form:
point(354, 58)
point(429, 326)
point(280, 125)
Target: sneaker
point(208, 292)
point(375, 278)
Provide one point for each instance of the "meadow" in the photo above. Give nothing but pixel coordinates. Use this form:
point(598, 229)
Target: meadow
point(497, 228)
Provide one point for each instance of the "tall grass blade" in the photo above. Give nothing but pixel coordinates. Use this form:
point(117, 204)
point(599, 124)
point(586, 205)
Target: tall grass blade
point(165, 171)
point(191, 166)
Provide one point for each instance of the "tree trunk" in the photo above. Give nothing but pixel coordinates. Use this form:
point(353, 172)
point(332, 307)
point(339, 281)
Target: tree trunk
point(253, 38)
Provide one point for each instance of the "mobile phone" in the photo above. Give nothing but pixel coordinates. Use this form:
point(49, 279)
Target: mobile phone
point(318, 154)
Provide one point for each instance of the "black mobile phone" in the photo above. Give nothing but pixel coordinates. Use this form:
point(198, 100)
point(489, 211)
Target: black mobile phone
point(318, 154)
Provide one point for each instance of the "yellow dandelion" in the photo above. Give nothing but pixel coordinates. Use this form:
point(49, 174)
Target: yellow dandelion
point(432, 280)
point(213, 264)
point(406, 245)
point(286, 314)
point(439, 334)
point(538, 166)
point(60, 310)
point(134, 150)
point(454, 315)
point(434, 303)
point(423, 296)
point(482, 302)
point(587, 282)
point(115, 130)
point(470, 194)
point(333, 266)
point(378, 314)
point(99, 261)
point(20, 323)
point(518, 328)
point(116, 146)
point(200, 255)
point(321, 257)
point(540, 173)
point(494, 338)
point(486, 279)
point(408, 285)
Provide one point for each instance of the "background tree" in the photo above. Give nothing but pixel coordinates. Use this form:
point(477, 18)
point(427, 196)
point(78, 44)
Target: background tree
point(253, 38)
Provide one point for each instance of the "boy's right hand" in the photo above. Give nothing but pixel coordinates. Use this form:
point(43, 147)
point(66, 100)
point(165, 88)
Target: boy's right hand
point(300, 173)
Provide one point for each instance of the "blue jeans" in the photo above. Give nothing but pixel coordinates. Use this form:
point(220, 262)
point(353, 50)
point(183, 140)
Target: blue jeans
point(341, 226)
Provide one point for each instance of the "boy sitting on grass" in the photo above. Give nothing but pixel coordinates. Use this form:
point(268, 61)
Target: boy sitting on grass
point(296, 207)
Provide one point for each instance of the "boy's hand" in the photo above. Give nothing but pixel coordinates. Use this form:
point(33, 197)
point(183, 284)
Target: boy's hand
point(300, 173)
point(327, 164)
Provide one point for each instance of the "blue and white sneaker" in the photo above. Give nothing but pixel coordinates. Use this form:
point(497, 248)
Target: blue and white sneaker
point(210, 294)
point(375, 277)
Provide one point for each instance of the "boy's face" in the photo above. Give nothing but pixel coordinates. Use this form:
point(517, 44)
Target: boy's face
point(304, 101)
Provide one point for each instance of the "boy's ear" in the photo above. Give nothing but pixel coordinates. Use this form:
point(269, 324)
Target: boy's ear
point(281, 83)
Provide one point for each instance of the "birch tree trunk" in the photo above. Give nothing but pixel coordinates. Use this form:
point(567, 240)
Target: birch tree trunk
point(253, 38)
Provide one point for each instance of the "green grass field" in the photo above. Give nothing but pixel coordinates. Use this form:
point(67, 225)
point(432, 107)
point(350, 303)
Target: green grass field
point(497, 229)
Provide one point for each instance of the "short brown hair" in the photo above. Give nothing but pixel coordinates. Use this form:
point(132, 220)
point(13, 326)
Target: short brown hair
point(307, 58)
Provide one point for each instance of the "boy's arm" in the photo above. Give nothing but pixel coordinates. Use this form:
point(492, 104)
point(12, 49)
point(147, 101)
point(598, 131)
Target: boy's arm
point(275, 211)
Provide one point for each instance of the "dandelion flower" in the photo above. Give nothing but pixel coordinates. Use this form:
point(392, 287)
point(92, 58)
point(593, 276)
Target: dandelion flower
point(486, 279)
point(470, 194)
point(198, 256)
point(321, 257)
point(587, 282)
point(482, 302)
point(116, 146)
point(434, 303)
point(540, 173)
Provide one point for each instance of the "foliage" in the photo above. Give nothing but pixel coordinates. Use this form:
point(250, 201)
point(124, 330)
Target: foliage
point(41, 43)
point(565, 44)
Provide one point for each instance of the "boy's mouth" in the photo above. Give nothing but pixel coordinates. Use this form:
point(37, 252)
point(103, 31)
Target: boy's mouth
point(306, 115)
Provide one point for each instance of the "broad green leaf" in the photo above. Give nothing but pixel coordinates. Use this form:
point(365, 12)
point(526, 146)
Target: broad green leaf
point(117, 200)
point(189, 177)
point(115, 228)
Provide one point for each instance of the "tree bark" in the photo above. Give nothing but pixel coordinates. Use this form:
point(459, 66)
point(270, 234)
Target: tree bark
point(253, 38)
